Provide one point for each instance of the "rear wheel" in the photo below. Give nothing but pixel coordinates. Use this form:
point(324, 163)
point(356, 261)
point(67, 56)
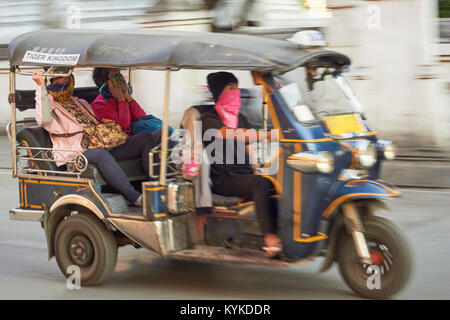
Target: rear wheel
point(391, 258)
point(84, 241)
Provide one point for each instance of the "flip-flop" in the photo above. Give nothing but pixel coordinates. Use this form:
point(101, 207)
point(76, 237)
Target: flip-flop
point(272, 252)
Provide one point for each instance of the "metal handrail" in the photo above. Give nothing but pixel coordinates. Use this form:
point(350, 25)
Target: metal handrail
point(76, 166)
point(45, 73)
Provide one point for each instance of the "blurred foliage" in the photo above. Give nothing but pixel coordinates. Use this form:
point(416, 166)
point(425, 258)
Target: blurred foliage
point(444, 8)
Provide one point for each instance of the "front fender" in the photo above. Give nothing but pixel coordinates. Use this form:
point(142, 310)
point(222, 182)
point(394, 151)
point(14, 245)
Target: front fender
point(344, 191)
point(373, 190)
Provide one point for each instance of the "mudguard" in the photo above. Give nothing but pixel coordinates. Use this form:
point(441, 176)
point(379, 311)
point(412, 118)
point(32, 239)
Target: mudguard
point(344, 191)
point(372, 190)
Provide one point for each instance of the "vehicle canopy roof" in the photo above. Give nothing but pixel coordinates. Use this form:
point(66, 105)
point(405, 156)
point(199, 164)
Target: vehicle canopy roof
point(164, 49)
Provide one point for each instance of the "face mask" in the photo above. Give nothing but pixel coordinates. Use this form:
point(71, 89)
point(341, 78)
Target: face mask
point(62, 92)
point(228, 107)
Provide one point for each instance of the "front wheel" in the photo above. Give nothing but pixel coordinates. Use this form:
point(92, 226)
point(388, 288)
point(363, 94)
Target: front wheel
point(83, 240)
point(391, 258)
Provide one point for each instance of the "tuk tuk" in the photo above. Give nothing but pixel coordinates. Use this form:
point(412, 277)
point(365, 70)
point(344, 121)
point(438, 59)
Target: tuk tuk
point(327, 179)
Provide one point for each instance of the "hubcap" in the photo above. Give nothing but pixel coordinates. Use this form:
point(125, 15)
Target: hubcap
point(81, 250)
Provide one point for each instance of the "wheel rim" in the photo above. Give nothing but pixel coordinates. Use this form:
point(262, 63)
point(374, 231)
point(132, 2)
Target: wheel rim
point(81, 250)
point(382, 257)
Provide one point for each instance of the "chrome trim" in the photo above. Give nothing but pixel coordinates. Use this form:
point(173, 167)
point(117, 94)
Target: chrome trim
point(165, 130)
point(26, 215)
point(77, 199)
point(53, 178)
point(12, 91)
point(76, 166)
point(349, 174)
point(8, 131)
point(355, 227)
point(309, 161)
point(384, 144)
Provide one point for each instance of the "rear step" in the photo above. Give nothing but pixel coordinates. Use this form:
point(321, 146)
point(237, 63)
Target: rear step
point(235, 255)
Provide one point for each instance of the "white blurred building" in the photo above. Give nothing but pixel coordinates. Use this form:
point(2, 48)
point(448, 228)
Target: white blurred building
point(400, 71)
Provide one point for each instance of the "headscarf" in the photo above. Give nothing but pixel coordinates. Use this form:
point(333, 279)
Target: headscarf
point(228, 104)
point(62, 92)
point(217, 81)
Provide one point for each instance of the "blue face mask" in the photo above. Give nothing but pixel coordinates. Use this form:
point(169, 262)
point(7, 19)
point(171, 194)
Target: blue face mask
point(57, 87)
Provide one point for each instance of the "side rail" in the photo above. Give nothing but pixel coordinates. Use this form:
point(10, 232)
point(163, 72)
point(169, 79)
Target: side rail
point(33, 156)
point(155, 161)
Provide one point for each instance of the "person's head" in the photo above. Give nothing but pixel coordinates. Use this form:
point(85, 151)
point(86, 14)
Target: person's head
point(221, 82)
point(101, 75)
point(61, 87)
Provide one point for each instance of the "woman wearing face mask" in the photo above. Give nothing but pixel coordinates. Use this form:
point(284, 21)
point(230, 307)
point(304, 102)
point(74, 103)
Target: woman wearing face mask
point(70, 122)
point(238, 178)
point(114, 101)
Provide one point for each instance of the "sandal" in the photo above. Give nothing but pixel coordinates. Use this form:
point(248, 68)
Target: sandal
point(272, 252)
point(272, 248)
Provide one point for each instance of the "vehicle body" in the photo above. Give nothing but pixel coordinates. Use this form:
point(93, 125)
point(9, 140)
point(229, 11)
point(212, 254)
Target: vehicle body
point(326, 196)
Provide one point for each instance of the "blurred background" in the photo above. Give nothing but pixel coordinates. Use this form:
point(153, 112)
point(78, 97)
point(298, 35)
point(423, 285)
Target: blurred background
point(400, 51)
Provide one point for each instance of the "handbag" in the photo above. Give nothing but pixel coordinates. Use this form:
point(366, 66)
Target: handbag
point(149, 123)
point(105, 135)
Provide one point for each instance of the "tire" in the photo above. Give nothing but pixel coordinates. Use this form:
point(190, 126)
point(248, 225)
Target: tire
point(83, 240)
point(389, 247)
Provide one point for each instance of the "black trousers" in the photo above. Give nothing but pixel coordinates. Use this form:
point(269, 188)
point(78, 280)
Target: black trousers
point(136, 146)
point(259, 189)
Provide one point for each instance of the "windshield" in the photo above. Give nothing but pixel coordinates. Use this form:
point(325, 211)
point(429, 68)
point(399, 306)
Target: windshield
point(313, 93)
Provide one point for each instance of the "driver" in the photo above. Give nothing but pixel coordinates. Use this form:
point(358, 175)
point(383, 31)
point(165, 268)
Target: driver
point(238, 179)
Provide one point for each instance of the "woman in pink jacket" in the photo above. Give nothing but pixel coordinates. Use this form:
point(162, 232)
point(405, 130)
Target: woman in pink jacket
point(65, 117)
point(114, 101)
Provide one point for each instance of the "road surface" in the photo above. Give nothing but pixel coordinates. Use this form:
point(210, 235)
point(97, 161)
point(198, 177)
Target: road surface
point(25, 272)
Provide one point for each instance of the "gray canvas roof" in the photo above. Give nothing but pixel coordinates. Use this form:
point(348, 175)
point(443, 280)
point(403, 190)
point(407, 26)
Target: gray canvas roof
point(163, 49)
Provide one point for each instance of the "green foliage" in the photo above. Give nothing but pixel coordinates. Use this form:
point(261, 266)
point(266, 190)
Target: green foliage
point(444, 8)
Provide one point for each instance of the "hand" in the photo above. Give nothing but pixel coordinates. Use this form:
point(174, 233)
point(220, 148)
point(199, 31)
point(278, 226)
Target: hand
point(124, 88)
point(116, 91)
point(38, 77)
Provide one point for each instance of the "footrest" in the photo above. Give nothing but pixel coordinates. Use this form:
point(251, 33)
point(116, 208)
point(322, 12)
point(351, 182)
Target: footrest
point(219, 200)
point(221, 254)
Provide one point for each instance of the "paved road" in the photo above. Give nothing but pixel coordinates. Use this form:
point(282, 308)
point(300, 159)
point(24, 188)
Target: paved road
point(25, 272)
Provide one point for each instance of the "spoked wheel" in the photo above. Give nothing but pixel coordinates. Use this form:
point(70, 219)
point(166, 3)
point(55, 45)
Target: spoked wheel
point(83, 240)
point(391, 258)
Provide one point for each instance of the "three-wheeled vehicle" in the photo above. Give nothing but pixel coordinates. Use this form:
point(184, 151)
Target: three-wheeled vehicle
point(326, 180)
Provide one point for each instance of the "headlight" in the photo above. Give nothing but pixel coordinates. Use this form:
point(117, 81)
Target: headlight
point(311, 162)
point(367, 155)
point(388, 148)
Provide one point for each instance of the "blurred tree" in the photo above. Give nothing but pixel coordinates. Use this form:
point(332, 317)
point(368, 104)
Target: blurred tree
point(444, 8)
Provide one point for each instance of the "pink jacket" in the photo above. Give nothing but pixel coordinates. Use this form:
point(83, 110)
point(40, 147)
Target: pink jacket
point(123, 113)
point(61, 122)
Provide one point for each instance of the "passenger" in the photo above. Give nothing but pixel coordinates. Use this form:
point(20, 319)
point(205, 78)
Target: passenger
point(115, 103)
point(72, 126)
point(238, 179)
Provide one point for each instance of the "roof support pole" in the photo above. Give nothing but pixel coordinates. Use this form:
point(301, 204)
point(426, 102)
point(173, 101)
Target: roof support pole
point(165, 131)
point(12, 94)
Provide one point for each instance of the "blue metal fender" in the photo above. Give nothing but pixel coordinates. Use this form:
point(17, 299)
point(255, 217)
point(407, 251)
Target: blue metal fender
point(343, 191)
